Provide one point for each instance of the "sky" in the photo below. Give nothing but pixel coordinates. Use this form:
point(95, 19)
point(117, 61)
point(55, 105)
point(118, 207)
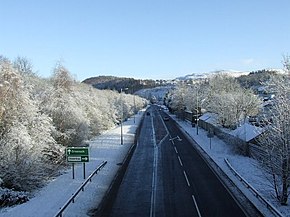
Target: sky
point(145, 39)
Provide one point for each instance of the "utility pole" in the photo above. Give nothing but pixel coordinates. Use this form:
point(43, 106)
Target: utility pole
point(122, 115)
point(197, 118)
point(134, 108)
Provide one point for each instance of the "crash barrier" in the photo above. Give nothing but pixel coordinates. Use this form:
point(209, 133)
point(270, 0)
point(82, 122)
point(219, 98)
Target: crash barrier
point(255, 192)
point(81, 188)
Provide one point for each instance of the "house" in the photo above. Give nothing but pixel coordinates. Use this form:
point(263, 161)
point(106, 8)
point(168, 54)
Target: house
point(243, 138)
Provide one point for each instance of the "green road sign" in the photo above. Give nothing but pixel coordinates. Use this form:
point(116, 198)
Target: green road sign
point(77, 154)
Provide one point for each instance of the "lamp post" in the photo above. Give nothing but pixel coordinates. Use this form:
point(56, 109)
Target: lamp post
point(197, 118)
point(122, 115)
point(134, 108)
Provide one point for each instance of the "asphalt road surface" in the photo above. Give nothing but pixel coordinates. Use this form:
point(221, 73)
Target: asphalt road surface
point(166, 177)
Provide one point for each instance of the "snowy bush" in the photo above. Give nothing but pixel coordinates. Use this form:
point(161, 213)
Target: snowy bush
point(10, 198)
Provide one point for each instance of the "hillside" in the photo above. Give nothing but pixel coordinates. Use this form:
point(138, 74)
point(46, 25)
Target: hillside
point(258, 78)
point(117, 83)
point(204, 75)
point(156, 89)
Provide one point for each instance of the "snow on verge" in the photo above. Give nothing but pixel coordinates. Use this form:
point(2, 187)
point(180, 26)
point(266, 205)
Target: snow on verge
point(247, 167)
point(48, 200)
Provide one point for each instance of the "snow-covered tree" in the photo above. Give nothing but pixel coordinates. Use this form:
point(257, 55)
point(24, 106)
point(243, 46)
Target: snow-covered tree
point(220, 94)
point(24, 151)
point(23, 66)
point(39, 117)
point(276, 140)
point(62, 106)
point(177, 97)
point(229, 100)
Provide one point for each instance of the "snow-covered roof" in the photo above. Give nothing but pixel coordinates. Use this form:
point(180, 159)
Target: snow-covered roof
point(209, 118)
point(247, 132)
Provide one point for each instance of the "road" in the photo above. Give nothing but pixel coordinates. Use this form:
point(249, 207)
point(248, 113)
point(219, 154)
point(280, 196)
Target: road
point(166, 177)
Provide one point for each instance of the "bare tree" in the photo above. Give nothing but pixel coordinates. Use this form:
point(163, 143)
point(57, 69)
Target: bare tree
point(286, 63)
point(23, 66)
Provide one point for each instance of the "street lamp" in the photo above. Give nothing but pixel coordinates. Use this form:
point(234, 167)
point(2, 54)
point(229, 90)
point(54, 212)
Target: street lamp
point(196, 110)
point(122, 117)
point(134, 108)
point(197, 118)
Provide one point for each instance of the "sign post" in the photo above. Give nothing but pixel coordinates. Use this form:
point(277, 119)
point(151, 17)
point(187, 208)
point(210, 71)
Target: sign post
point(77, 155)
point(210, 135)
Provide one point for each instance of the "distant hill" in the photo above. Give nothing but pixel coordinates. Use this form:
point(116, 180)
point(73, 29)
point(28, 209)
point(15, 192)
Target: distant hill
point(246, 79)
point(117, 83)
point(204, 75)
point(259, 77)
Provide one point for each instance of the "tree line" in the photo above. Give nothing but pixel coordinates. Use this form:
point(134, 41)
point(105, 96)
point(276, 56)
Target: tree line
point(40, 117)
point(233, 100)
point(220, 94)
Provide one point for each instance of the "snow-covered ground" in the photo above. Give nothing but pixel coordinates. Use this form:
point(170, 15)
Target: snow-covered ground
point(106, 147)
point(247, 167)
point(48, 200)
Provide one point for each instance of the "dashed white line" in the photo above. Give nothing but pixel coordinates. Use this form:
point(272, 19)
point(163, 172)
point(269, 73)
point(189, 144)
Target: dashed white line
point(180, 162)
point(184, 173)
point(175, 150)
point(154, 174)
point(197, 209)
point(152, 214)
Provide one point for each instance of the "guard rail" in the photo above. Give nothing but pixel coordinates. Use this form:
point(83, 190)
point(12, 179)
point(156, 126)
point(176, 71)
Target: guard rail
point(81, 188)
point(256, 193)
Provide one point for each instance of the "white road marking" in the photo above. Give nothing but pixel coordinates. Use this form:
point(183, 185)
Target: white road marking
point(167, 132)
point(184, 173)
point(197, 209)
point(154, 174)
point(180, 162)
point(175, 150)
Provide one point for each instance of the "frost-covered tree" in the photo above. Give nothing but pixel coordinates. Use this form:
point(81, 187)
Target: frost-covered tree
point(24, 153)
point(222, 82)
point(177, 97)
point(220, 94)
point(39, 117)
point(276, 140)
point(196, 96)
point(286, 63)
point(62, 106)
point(62, 79)
point(23, 66)
point(229, 100)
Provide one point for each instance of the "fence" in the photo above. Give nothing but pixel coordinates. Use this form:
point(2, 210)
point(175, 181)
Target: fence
point(81, 188)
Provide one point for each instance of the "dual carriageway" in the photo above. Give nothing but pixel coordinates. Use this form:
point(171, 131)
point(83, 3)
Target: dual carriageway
point(168, 177)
